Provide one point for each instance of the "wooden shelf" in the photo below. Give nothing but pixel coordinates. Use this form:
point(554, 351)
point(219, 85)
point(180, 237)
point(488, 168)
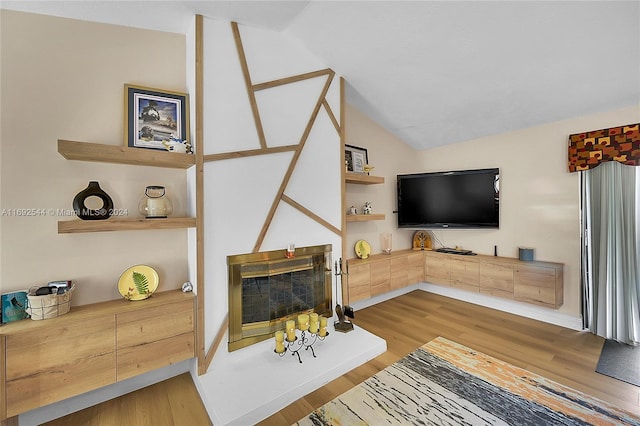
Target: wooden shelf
point(86, 151)
point(363, 179)
point(364, 217)
point(79, 226)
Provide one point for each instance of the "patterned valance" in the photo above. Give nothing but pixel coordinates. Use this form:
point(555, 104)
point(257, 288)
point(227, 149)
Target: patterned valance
point(622, 144)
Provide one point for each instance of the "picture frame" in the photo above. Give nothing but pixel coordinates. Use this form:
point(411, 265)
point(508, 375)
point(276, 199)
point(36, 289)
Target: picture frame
point(355, 158)
point(155, 117)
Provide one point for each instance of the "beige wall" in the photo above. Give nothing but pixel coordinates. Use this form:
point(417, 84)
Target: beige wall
point(63, 78)
point(390, 156)
point(539, 198)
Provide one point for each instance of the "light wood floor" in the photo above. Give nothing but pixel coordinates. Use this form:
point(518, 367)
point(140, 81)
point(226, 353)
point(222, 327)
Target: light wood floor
point(406, 323)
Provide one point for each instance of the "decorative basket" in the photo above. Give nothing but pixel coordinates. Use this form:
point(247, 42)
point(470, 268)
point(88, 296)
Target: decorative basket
point(49, 305)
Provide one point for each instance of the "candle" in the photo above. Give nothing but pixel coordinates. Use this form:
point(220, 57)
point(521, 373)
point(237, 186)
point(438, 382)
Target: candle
point(280, 341)
point(291, 330)
point(313, 323)
point(303, 322)
point(323, 327)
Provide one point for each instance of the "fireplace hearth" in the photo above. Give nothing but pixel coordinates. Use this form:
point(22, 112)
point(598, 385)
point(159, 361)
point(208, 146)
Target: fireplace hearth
point(266, 289)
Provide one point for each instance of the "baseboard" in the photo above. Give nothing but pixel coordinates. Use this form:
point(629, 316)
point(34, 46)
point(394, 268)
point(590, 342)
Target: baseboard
point(526, 310)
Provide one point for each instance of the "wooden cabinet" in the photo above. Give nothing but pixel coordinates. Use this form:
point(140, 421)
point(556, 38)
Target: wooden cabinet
point(465, 274)
point(92, 346)
point(538, 284)
point(535, 282)
point(496, 278)
point(382, 273)
point(437, 268)
point(359, 278)
point(152, 338)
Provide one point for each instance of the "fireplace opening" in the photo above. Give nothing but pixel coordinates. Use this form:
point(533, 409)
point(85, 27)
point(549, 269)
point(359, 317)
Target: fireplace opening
point(266, 289)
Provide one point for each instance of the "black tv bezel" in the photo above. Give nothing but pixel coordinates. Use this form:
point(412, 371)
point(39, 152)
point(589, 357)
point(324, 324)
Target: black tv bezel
point(444, 225)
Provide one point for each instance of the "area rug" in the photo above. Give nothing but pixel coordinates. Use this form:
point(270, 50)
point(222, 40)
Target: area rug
point(445, 383)
point(620, 361)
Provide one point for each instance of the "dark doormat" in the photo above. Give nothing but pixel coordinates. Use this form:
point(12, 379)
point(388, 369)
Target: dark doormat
point(620, 361)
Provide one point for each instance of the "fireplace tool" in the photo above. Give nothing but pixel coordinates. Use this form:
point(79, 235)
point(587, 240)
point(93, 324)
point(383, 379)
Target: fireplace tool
point(342, 324)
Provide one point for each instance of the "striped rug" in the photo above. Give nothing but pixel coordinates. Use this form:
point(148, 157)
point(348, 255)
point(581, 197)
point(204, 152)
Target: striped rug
point(445, 383)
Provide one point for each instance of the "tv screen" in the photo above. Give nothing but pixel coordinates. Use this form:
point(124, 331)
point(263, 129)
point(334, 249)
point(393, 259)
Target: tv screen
point(454, 199)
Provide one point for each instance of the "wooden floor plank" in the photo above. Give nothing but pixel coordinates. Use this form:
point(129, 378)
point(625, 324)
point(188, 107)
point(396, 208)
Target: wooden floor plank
point(406, 323)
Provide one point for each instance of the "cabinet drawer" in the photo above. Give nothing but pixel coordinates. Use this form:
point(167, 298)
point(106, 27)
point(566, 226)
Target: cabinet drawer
point(465, 274)
point(359, 283)
point(399, 272)
point(496, 277)
point(415, 268)
point(535, 284)
point(437, 269)
point(359, 276)
point(150, 356)
point(380, 277)
point(58, 347)
point(70, 378)
point(149, 325)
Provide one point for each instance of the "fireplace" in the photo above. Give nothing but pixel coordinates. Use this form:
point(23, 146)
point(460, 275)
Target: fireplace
point(266, 289)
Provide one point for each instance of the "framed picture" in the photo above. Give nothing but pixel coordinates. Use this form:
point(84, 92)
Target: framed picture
point(355, 158)
point(154, 116)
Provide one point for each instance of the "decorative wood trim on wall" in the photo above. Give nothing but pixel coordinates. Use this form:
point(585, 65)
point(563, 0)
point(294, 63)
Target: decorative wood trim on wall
point(249, 153)
point(293, 79)
point(332, 116)
point(292, 165)
point(309, 213)
point(248, 85)
point(215, 344)
point(343, 182)
point(199, 177)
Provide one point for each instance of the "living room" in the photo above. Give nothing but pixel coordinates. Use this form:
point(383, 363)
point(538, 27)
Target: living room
point(63, 79)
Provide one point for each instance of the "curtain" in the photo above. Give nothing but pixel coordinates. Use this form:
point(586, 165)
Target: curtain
point(610, 261)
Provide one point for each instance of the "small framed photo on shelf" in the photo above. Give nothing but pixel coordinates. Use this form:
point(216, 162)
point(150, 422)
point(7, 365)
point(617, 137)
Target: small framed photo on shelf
point(155, 117)
point(355, 158)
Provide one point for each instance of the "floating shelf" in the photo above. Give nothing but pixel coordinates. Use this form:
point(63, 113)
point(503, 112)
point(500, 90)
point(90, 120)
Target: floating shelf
point(362, 179)
point(79, 226)
point(87, 151)
point(364, 217)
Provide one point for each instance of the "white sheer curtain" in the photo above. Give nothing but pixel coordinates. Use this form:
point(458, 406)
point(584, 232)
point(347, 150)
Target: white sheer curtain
point(610, 258)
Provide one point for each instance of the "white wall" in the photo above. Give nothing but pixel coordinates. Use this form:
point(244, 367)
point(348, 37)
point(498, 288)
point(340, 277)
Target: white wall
point(390, 156)
point(239, 192)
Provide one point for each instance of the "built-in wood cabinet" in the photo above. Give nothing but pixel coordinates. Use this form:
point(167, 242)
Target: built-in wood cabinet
point(540, 283)
point(92, 346)
point(382, 273)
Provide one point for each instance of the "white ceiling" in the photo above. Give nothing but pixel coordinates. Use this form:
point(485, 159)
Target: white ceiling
point(434, 72)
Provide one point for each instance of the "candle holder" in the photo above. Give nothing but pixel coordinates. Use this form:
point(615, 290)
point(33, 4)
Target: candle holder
point(306, 340)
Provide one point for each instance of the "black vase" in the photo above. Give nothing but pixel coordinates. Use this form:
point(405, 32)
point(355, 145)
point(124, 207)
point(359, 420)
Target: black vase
point(93, 190)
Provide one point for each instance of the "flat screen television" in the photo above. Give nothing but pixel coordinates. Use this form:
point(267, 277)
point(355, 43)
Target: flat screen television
point(453, 199)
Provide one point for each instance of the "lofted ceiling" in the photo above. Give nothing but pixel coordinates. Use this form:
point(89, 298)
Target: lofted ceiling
point(435, 72)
